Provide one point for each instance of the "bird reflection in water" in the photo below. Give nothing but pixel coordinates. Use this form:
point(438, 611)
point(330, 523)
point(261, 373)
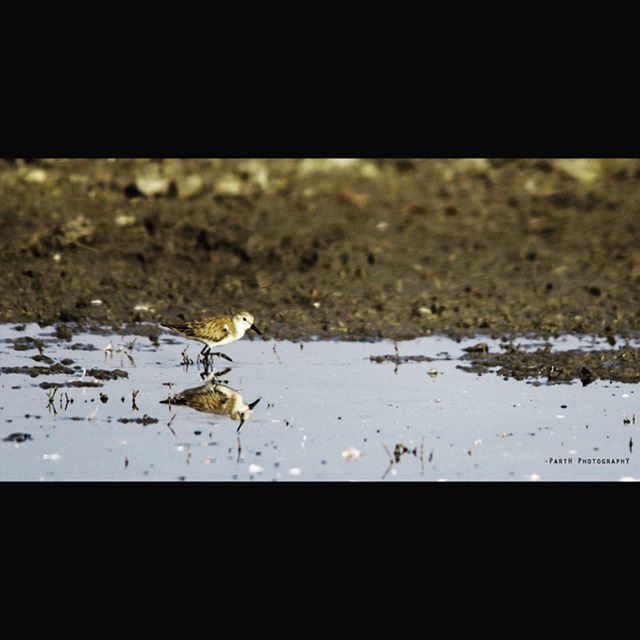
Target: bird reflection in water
point(214, 397)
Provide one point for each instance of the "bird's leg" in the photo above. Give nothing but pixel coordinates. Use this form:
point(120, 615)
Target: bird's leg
point(206, 362)
point(221, 355)
point(205, 354)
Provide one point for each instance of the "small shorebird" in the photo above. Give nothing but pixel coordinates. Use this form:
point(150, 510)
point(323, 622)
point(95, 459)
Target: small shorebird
point(214, 397)
point(216, 331)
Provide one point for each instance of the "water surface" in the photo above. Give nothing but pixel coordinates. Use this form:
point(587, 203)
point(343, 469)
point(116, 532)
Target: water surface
point(326, 412)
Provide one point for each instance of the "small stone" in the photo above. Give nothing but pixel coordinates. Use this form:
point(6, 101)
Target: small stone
point(369, 170)
point(582, 169)
point(190, 185)
point(35, 176)
point(481, 347)
point(152, 186)
point(228, 185)
point(325, 165)
point(124, 220)
point(351, 453)
point(257, 171)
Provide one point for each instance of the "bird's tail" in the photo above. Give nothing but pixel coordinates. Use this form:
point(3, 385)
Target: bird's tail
point(176, 327)
point(177, 399)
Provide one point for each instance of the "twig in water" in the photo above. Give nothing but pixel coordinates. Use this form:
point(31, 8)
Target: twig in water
point(391, 462)
point(169, 424)
point(186, 360)
point(134, 393)
point(51, 396)
point(94, 413)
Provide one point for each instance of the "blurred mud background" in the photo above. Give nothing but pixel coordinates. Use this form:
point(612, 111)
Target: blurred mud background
point(333, 248)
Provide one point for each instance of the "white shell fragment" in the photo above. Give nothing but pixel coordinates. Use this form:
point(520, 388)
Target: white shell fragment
point(351, 453)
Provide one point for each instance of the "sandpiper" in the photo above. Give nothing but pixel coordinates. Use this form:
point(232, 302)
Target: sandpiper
point(217, 398)
point(216, 331)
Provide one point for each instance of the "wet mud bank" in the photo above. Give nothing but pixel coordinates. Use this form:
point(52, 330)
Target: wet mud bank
point(545, 366)
point(349, 249)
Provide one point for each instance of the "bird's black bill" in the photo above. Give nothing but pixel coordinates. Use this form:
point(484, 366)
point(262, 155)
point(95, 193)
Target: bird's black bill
point(254, 328)
point(254, 403)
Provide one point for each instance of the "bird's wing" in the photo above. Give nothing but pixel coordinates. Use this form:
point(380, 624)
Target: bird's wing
point(210, 401)
point(213, 329)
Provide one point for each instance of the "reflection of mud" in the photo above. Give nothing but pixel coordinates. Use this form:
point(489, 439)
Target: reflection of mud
point(621, 365)
point(17, 437)
point(145, 420)
point(217, 398)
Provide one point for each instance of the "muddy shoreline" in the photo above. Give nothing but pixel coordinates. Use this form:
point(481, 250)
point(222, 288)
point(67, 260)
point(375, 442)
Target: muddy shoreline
point(361, 249)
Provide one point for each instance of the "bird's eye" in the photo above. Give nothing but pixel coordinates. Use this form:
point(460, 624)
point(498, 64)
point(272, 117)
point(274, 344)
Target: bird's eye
point(244, 319)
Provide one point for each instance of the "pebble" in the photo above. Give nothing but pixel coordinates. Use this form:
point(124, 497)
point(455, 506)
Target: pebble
point(228, 185)
point(190, 185)
point(351, 453)
point(152, 186)
point(582, 169)
point(124, 220)
point(35, 176)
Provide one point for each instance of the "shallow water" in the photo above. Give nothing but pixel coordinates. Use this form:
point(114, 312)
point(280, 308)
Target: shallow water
point(326, 412)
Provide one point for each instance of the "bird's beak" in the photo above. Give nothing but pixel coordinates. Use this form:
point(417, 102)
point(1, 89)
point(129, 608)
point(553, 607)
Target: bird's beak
point(254, 403)
point(254, 328)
